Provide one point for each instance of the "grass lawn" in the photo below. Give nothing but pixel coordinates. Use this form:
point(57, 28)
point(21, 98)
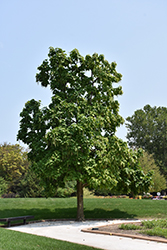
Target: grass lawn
point(65, 208)
point(94, 208)
point(11, 240)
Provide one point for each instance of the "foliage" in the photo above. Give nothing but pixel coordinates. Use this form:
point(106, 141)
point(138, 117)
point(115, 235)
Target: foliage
point(88, 193)
point(102, 192)
point(3, 186)
point(147, 129)
point(74, 137)
point(157, 231)
point(129, 227)
point(156, 227)
point(155, 223)
point(13, 164)
point(132, 179)
point(147, 164)
point(10, 195)
point(17, 179)
point(152, 228)
point(67, 191)
point(13, 161)
point(29, 186)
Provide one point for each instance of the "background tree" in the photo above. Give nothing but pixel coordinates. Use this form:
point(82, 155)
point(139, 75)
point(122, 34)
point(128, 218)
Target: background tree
point(74, 137)
point(131, 179)
point(29, 186)
point(13, 161)
point(3, 186)
point(13, 164)
point(147, 129)
point(148, 164)
point(68, 190)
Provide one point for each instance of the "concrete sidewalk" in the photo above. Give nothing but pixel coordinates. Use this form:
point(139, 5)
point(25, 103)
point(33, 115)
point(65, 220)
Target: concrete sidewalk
point(71, 231)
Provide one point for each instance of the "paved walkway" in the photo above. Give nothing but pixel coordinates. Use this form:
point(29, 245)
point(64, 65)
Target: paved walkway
point(71, 231)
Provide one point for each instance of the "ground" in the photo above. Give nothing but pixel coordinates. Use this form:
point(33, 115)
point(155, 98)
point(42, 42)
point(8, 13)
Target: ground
point(114, 230)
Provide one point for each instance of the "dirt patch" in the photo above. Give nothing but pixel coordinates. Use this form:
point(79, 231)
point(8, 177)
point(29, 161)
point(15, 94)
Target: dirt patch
point(114, 230)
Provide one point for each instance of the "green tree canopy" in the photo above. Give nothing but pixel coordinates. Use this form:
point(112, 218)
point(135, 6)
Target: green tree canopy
point(13, 161)
point(147, 129)
point(3, 186)
point(158, 180)
point(13, 166)
point(74, 137)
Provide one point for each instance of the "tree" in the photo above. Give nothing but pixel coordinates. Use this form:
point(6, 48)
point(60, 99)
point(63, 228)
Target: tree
point(131, 179)
point(68, 190)
point(147, 129)
point(3, 186)
point(13, 162)
point(29, 186)
point(148, 164)
point(74, 137)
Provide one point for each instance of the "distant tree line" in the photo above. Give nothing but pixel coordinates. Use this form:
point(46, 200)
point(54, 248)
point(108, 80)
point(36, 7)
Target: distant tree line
point(147, 129)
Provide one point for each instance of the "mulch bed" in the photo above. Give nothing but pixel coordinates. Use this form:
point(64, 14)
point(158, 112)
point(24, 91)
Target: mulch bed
point(115, 231)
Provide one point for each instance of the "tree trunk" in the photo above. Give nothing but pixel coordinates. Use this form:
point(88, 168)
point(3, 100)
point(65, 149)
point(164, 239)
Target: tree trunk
point(80, 209)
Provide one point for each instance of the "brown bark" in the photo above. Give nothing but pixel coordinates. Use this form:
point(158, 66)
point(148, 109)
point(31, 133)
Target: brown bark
point(80, 208)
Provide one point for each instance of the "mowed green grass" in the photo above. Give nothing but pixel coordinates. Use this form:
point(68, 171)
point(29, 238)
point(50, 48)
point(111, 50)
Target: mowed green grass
point(94, 208)
point(12, 240)
point(66, 208)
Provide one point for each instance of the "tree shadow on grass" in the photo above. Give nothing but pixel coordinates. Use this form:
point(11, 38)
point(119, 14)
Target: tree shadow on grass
point(65, 214)
point(40, 214)
point(111, 214)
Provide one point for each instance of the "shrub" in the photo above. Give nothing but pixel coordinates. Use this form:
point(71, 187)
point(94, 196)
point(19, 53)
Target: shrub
point(129, 227)
point(162, 232)
point(67, 191)
point(155, 223)
point(10, 195)
point(29, 186)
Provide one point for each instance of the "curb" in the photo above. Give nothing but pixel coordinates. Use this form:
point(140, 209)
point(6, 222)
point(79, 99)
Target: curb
point(90, 230)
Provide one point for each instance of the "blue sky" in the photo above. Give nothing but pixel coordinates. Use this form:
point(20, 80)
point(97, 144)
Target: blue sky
point(133, 33)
